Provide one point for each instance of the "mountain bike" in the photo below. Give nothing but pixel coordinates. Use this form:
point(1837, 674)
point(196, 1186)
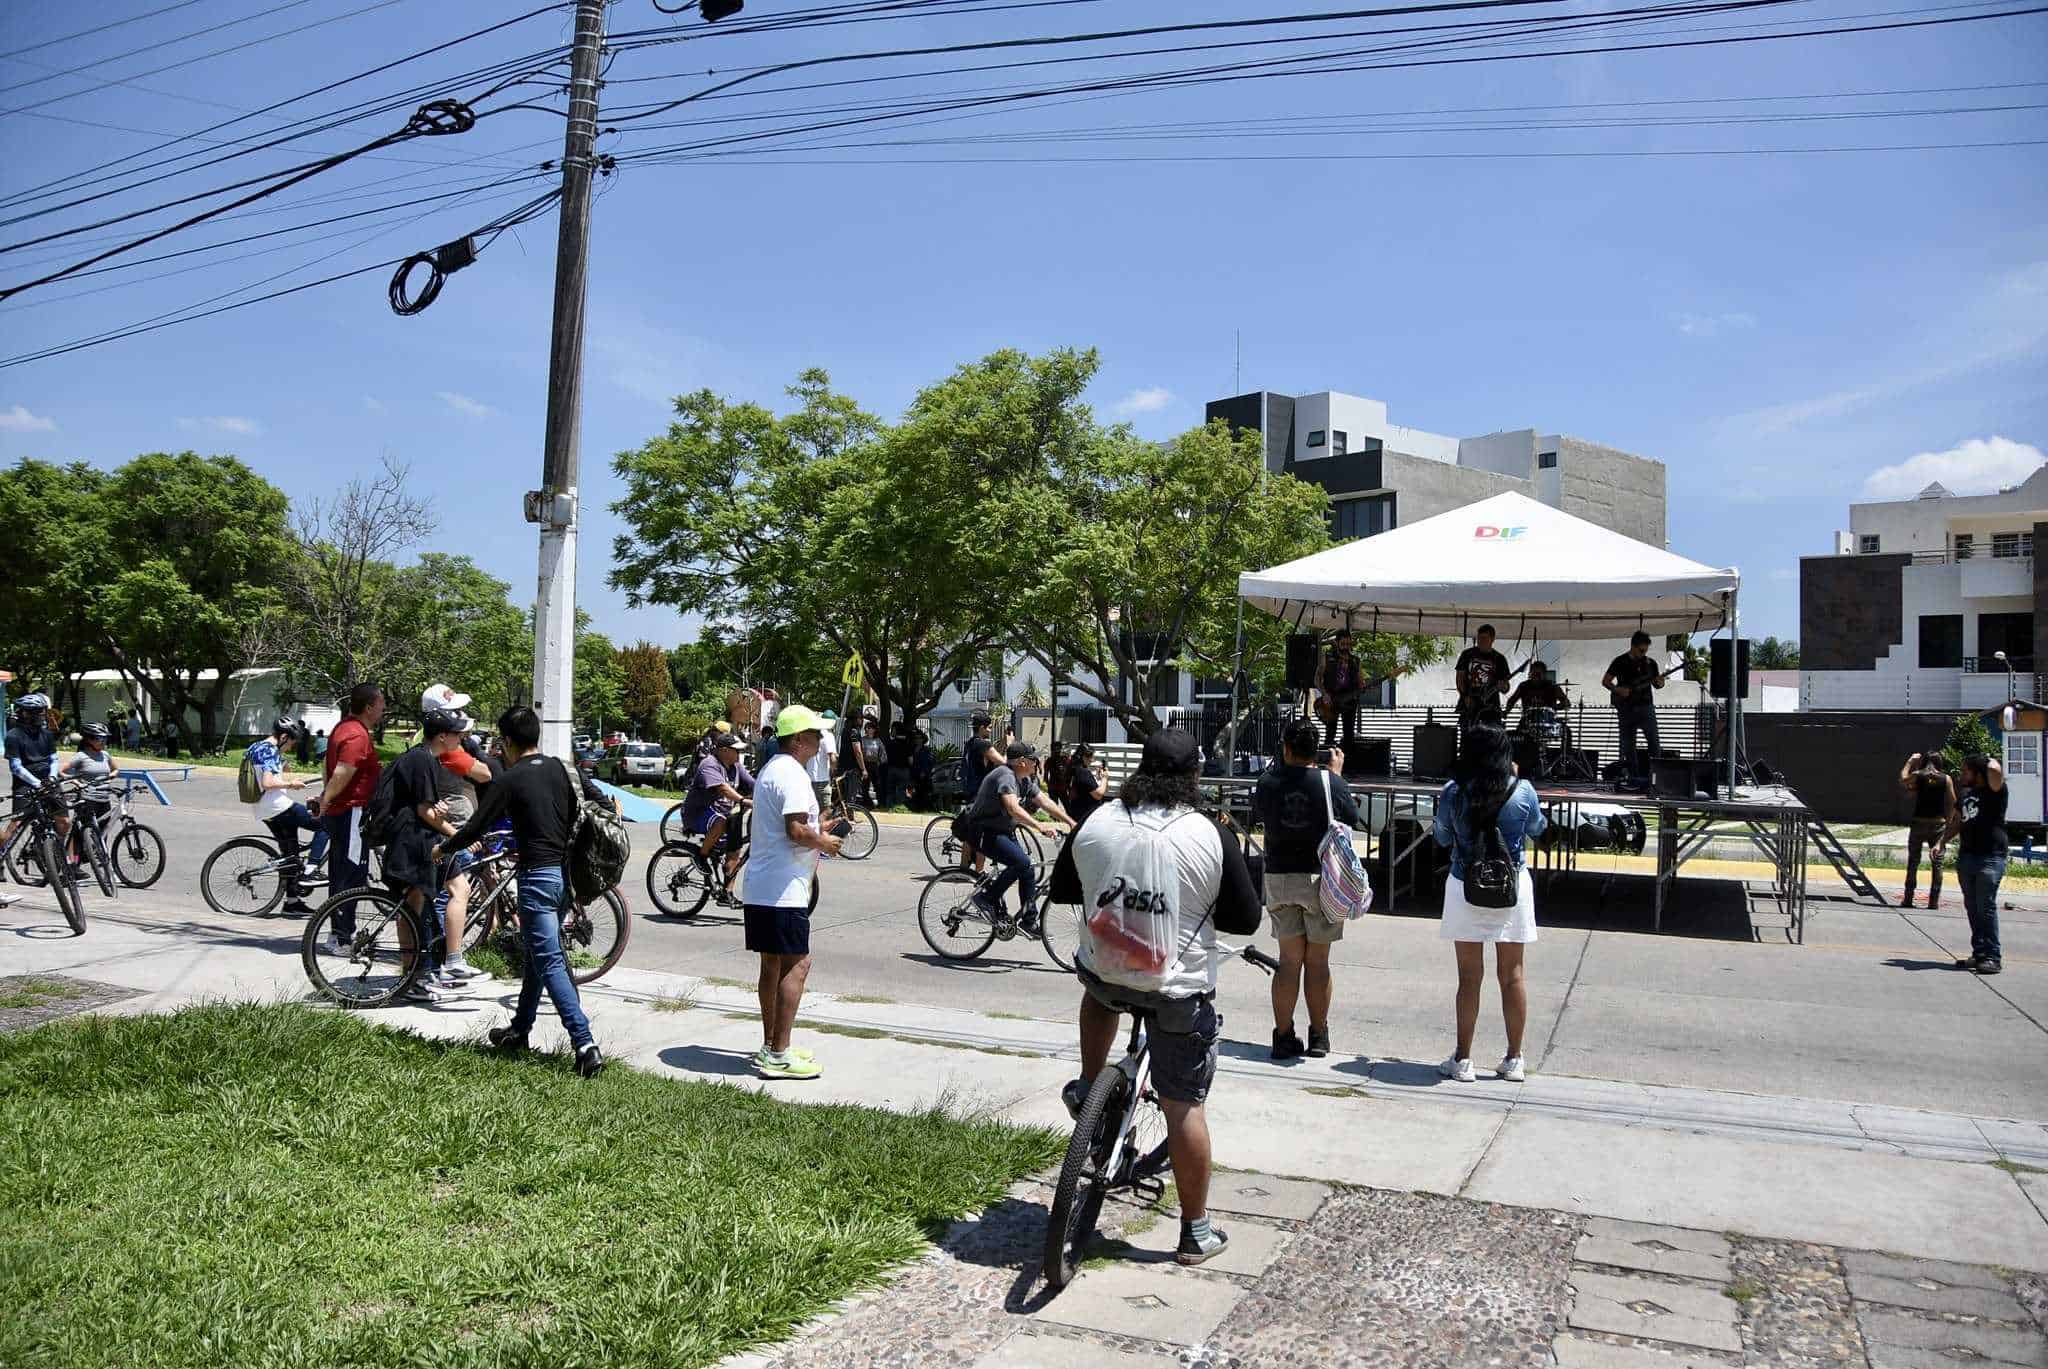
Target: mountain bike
point(376, 962)
point(594, 934)
point(958, 928)
point(248, 875)
point(35, 855)
point(945, 851)
point(137, 850)
point(1119, 1143)
point(863, 833)
point(681, 879)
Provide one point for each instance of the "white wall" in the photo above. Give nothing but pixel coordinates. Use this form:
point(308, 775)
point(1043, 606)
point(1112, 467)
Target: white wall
point(1510, 453)
point(1416, 442)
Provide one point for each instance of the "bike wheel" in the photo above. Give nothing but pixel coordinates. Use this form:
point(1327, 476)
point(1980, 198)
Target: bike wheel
point(672, 828)
point(23, 862)
point(1083, 1182)
point(51, 857)
point(939, 847)
point(677, 881)
point(952, 925)
point(860, 843)
point(243, 876)
point(594, 936)
point(96, 856)
point(1059, 929)
point(375, 963)
point(138, 856)
point(1035, 849)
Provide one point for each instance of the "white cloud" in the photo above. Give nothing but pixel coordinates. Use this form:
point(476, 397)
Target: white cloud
point(20, 420)
point(1712, 325)
point(1981, 465)
point(1149, 400)
point(224, 423)
point(464, 405)
point(373, 404)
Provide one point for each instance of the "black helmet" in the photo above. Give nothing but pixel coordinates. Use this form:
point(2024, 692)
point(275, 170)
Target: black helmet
point(94, 732)
point(286, 726)
point(32, 703)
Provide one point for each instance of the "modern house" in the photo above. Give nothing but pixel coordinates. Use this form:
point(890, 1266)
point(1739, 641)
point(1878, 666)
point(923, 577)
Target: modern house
point(1919, 596)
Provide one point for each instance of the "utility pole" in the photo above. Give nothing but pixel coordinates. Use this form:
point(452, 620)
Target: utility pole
point(553, 506)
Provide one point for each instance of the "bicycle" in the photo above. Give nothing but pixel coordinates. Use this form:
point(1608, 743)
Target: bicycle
point(138, 852)
point(944, 850)
point(863, 832)
point(42, 849)
point(681, 878)
point(248, 875)
point(958, 928)
point(593, 940)
point(1119, 1142)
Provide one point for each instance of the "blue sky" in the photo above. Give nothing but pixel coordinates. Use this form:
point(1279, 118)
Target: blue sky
point(1779, 330)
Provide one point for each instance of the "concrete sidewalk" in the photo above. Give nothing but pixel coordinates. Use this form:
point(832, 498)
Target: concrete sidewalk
point(1906, 1181)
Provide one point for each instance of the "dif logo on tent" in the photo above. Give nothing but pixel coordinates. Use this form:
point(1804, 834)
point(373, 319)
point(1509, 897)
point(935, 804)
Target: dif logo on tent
point(1487, 532)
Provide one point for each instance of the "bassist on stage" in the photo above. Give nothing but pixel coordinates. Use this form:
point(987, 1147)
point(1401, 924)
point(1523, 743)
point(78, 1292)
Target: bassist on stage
point(1632, 681)
point(1342, 680)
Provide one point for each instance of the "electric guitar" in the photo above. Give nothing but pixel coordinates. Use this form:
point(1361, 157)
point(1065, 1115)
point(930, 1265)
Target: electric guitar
point(1474, 699)
point(1621, 696)
point(1330, 707)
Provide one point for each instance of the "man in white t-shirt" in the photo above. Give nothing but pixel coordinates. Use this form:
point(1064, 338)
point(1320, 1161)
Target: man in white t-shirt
point(779, 885)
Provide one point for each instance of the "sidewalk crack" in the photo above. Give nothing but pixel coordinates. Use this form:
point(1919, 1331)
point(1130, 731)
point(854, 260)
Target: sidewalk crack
point(1557, 1023)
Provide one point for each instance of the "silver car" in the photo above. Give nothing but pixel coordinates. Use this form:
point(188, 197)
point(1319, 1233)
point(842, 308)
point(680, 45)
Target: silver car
point(633, 762)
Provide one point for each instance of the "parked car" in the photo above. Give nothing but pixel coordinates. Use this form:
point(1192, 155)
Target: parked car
point(632, 763)
point(612, 739)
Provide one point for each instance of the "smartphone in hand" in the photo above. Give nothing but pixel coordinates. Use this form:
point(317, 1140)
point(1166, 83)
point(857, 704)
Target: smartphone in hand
point(840, 828)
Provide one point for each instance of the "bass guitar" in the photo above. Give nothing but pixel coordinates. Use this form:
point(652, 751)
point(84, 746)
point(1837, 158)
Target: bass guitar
point(1330, 707)
point(1621, 696)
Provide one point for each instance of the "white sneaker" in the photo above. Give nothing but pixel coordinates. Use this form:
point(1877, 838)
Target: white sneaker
point(1510, 1069)
point(463, 973)
point(1460, 1070)
point(424, 990)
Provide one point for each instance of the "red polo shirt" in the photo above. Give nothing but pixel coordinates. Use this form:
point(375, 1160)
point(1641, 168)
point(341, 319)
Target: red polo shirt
point(350, 744)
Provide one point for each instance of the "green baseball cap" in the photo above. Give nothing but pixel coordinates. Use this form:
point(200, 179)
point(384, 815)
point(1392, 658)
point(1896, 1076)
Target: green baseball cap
point(795, 718)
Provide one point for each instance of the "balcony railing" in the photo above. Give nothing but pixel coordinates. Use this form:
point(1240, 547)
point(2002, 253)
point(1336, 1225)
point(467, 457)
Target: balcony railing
point(2024, 555)
point(1990, 665)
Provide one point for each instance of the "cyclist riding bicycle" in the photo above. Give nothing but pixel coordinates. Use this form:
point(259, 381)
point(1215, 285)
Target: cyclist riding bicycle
point(284, 816)
point(718, 788)
point(1007, 795)
point(1159, 878)
point(31, 753)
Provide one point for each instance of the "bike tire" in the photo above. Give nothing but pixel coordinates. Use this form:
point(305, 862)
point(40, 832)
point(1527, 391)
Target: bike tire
point(971, 934)
point(672, 828)
point(1059, 931)
point(678, 881)
point(598, 932)
point(1034, 848)
point(96, 856)
point(938, 834)
point(1078, 1196)
point(138, 856)
point(384, 954)
point(860, 843)
point(235, 881)
point(24, 866)
point(51, 857)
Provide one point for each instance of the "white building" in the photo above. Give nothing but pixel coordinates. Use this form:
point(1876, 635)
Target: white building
point(1918, 598)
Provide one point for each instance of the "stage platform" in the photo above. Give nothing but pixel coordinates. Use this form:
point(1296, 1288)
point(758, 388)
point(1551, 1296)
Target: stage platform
point(1399, 812)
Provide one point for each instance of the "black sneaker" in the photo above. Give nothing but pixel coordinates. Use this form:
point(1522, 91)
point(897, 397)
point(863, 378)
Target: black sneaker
point(1990, 965)
point(505, 1039)
point(1968, 963)
point(1192, 1251)
point(589, 1060)
point(295, 907)
point(1318, 1042)
point(1286, 1045)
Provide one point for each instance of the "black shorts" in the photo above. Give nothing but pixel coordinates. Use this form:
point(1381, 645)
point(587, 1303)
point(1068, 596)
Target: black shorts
point(778, 931)
point(1183, 1033)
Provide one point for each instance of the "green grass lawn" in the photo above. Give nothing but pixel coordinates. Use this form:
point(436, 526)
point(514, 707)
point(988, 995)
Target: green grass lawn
point(284, 1185)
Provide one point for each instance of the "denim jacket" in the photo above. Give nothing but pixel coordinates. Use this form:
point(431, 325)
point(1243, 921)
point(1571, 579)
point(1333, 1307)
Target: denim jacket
point(1521, 820)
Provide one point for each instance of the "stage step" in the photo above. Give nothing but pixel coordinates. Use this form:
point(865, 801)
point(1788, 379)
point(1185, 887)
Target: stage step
point(1845, 864)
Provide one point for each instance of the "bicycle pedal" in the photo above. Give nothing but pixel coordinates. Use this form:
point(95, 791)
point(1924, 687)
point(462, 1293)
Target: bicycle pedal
point(1150, 1189)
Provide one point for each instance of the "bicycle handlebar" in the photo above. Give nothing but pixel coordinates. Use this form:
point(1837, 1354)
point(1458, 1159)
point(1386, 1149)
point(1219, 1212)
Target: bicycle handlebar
point(1254, 955)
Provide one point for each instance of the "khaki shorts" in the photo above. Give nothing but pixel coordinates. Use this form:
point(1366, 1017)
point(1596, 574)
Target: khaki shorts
point(1292, 904)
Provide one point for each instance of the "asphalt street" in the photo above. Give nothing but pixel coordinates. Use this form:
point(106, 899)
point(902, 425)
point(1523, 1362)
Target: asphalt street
point(1869, 1010)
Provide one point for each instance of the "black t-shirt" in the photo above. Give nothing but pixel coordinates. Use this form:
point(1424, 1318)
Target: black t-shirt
point(534, 793)
point(976, 762)
point(1483, 668)
point(1636, 672)
point(1289, 804)
point(1930, 795)
point(1540, 694)
point(33, 749)
point(1983, 831)
point(1081, 797)
point(1341, 674)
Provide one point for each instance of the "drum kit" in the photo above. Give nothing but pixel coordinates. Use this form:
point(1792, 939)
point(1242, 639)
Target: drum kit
point(1545, 731)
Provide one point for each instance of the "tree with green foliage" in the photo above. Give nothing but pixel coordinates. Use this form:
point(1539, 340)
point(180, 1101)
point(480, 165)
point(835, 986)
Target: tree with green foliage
point(600, 686)
point(643, 684)
point(455, 623)
point(1773, 654)
point(53, 543)
point(1968, 736)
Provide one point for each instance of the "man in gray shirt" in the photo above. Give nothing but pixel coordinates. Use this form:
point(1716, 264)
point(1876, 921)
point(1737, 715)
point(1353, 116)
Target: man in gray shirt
point(1005, 799)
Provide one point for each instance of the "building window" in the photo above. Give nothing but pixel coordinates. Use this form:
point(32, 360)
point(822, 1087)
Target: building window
point(1546, 461)
point(1966, 545)
point(1941, 641)
point(1340, 442)
point(2012, 633)
point(1366, 517)
point(2009, 544)
point(1315, 439)
point(1867, 544)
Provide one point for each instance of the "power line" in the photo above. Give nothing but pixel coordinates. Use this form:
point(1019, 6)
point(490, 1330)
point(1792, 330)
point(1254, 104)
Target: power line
point(763, 155)
point(57, 73)
point(103, 28)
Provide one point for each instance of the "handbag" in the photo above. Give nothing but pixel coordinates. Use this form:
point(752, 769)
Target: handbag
point(1342, 890)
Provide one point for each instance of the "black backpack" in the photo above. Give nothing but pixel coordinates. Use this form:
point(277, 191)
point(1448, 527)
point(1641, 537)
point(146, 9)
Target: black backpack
point(382, 813)
point(1491, 880)
point(599, 846)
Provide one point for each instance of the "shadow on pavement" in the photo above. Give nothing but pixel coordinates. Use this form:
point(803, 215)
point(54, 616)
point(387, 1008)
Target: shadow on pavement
point(1593, 899)
point(984, 965)
point(1900, 962)
point(707, 1060)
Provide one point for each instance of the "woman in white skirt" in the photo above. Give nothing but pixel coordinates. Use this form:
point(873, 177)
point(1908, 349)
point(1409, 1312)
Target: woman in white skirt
point(1487, 792)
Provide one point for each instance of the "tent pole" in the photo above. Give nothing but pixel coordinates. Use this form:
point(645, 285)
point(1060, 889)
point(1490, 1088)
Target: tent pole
point(1734, 693)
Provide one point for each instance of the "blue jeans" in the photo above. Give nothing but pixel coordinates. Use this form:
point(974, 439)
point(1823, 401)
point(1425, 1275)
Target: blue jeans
point(1016, 862)
point(1980, 877)
point(541, 899)
point(348, 863)
point(285, 828)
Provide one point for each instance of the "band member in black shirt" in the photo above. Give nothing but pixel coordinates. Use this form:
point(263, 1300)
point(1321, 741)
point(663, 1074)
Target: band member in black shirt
point(1632, 681)
point(1925, 777)
point(1482, 680)
point(1979, 822)
point(1538, 691)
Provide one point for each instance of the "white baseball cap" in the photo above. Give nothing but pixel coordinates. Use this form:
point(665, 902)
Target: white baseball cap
point(441, 699)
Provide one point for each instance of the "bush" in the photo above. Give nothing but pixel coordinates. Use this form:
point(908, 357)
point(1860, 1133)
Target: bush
point(1969, 737)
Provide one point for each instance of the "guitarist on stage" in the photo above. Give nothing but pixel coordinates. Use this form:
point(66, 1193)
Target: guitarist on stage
point(1483, 676)
point(1342, 680)
point(1632, 681)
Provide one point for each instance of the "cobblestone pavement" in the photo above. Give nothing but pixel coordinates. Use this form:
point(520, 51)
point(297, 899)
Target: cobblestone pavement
point(1321, 1276)
point(29, 999)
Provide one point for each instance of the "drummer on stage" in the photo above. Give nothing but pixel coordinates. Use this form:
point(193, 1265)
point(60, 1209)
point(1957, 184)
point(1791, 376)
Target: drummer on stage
point(1538, 691)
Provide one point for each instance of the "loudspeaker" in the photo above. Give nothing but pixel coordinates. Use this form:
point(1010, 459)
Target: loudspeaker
point(1301, 660)
point(1717, 667)
point(1368, 756)
point(1436, 749)
point(1678, 778)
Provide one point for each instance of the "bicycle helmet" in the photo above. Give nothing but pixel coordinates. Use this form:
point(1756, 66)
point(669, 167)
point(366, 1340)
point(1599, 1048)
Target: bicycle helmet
point(94, 732)
point(32, 703)
point(286, 726)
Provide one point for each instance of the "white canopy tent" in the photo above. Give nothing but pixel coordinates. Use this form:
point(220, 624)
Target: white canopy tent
point(1531, 570)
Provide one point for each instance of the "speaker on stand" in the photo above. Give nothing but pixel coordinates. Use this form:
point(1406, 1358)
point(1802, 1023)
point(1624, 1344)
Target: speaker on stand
point(1303, 651)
